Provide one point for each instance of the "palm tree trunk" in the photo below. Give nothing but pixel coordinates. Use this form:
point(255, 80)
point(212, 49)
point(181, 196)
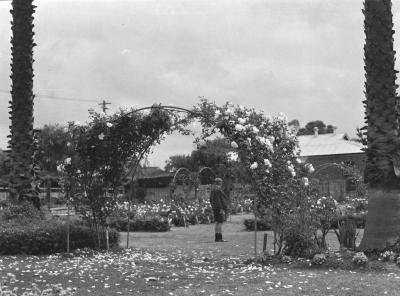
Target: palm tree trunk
point(383, 218)
point(382, 229)
point(21, 114)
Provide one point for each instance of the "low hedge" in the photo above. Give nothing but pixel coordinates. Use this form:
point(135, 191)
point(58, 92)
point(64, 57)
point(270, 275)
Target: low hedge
point(153, 225)
point(48, 237)
point(261, 224)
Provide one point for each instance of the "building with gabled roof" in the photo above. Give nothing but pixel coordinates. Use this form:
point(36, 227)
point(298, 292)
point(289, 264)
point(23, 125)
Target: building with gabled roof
point(325, 152)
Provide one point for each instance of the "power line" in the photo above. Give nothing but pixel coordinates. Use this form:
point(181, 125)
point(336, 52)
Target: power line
point(57, 97)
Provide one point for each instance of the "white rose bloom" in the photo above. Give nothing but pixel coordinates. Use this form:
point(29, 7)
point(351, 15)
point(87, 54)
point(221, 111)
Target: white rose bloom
point(254, 165)
point(78, 171)
point(305, 181)
point(267, 163)
point(202, 143)
point(255, 130)
point(60, 168)
point(232, 156)
point(248, 113)
point(290, 168)
point(67, 160)
point(288, 162)
point(239, 127)
point(293, 174)
point(101, 136)
point(109, 124)
point(217, 114)
point(234, 145)
point(310, 168)
point(298, 160)
point(241, 120)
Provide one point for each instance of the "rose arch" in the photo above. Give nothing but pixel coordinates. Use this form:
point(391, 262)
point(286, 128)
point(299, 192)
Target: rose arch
point(110, 147)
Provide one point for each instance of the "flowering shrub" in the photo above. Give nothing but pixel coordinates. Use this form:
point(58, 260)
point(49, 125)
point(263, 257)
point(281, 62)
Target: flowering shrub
point(388, 256)
point(100, 152)
point(267, 148)
point(319, 259)
point(360, 258)
point(324, 212)
point(7, 282)
point(286, 259)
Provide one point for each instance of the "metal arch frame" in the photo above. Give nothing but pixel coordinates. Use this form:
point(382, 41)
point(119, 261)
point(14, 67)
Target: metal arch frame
point(135, 166)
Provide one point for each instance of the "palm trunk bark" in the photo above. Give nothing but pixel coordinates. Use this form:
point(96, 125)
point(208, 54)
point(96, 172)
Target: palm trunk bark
point(382, 229)
point(21, 139)
point(383, 218)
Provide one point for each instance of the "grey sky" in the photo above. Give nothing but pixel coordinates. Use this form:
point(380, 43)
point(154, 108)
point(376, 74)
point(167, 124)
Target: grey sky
point(303, 58)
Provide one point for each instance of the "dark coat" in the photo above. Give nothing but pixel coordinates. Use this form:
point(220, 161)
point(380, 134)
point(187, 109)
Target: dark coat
point(218, 200)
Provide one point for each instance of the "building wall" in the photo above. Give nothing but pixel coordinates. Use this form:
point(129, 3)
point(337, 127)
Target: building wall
point(328, 176)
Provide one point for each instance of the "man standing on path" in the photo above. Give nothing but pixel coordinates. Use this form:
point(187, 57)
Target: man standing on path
point(218, 202)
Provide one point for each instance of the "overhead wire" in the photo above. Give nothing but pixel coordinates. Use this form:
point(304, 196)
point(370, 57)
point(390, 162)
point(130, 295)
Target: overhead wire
point(57, 97)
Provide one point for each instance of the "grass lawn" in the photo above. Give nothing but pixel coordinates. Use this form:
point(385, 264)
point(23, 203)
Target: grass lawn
point(187, 261)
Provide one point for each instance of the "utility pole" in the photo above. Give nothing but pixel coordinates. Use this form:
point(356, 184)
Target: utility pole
point(103, 105)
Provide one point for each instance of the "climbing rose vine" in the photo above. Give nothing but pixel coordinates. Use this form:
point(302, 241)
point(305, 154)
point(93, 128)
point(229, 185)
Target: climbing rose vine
point(268, 148)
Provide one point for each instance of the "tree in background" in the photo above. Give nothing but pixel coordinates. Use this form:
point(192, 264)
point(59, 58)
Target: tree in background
point(21, 141)
point(309, 128)
point(382, 131)
point(53, 146)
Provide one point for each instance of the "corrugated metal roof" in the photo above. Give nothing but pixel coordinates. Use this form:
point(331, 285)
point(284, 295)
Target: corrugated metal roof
point(327, 144)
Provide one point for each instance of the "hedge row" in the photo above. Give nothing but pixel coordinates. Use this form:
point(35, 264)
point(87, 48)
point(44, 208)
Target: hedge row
point(261, 224)
point(48, 238)
point(154, 225)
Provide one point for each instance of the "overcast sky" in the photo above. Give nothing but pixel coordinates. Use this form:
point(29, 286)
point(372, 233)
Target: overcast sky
point(303, 58)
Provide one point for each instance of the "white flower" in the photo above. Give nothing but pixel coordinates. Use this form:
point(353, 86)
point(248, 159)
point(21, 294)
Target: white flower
point(232, 156)
point(241, 120)
point(101, 136)
point(254, 165)
point(309, 167)
point(290, 168)
point(201, 144)
point(60, 168)
point(68, 144)
point(305, 181)
point(255, 130)
point(234, 145)
point(217, 114)
point(78, 171)
point(239, 127)
point(109, 124)
point(77, 123)
point(293, 174)
point(228, 112)
point(289, 162)
point(65, 129)
point(67, 160)
point(267, 163)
